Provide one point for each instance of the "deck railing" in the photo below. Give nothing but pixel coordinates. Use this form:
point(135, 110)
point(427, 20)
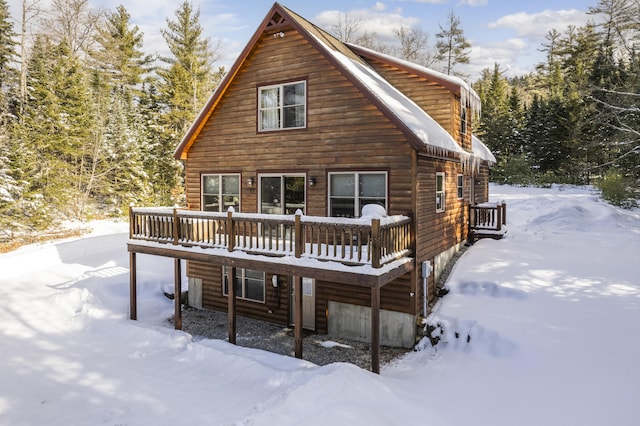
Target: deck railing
point(488, 216)
point(373, 241)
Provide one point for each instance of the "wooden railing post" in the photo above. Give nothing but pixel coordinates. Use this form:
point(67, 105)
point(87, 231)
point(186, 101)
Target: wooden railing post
point(375, 243)
point(131, 221)
point(176, 228)
point(297, 239)
point(504, 212)
point(499, 218)
point(472, 216)
point(231, 231)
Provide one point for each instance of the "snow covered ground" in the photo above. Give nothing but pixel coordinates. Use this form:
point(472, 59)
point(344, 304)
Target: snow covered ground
point(547, 323)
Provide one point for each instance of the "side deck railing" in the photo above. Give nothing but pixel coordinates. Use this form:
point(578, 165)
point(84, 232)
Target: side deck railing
point(488, 216)
point(373, 241)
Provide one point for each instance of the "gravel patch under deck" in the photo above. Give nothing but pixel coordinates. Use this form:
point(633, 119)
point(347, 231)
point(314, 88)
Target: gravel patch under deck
point(251, 333)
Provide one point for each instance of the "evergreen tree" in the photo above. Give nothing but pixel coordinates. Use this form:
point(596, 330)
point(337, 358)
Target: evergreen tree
point(185, 85)
point(120, 54)
point(120, 67)
point(56, 131)
point(7, 47)
point(451, 44)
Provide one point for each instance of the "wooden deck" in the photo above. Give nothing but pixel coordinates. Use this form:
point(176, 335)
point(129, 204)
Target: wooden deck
point(365, 252)
point(354, 242)
point(357, 252)
point(487, 220)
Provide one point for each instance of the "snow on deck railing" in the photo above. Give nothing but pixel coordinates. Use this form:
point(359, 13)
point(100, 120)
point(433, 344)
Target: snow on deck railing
point(488, 216)
point(368, 240)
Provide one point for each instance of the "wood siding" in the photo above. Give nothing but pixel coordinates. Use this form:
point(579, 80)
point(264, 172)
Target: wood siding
point(438, 231)
point(344, 133)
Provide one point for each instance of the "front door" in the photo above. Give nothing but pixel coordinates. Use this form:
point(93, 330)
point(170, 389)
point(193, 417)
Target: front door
point(308, 303)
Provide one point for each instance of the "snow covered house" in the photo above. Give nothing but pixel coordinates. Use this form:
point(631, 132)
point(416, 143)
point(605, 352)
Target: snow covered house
point(303, 123)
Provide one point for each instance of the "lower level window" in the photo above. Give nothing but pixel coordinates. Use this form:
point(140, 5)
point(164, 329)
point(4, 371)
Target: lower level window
point(249, 284)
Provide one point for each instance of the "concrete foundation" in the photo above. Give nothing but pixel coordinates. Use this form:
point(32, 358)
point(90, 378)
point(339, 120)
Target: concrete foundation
point(353, 322)
point(195, 292)
point(441, 260)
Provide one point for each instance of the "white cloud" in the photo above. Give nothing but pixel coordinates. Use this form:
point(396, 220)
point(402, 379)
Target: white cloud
point(536, 26)
point(373, 20)
point(474, 3)
point(379, 7)
point(429, 1)
point(508, 54)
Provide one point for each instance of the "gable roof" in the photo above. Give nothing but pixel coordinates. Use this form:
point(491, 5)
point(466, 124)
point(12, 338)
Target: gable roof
point(468, 96)
point(422, 132)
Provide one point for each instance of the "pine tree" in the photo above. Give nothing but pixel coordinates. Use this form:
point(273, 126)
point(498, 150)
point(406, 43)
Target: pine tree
point(55, 134)
point(120, 65)
point(7, 47)
point(453, 47)
point(185, 85)
point(120, 53)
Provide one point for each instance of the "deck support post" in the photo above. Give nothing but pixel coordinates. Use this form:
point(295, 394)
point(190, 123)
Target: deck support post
point(177, 293)
point(297, 283)
point(375, 329)
point(231, 304)
point(133, 304)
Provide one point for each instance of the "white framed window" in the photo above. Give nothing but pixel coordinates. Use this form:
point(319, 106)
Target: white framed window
point(350, 191)
point(282, 106)
point(249, 284)
point(440, 195)
point(460, 186)
point(219, 192)
point(463, 119)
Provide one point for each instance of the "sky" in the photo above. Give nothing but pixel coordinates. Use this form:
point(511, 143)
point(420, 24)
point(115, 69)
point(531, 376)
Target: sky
point(506, 32)
point(539, 328)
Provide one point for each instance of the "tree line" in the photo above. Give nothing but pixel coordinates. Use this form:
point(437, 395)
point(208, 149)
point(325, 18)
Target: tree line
point(89, 121)
point(576, 119)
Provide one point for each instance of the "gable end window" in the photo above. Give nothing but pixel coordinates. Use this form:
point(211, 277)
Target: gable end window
point(219, 192)
point(349, 192)
point(463, 120)
point(460, 187)
point(440, 192)
point(282, 106)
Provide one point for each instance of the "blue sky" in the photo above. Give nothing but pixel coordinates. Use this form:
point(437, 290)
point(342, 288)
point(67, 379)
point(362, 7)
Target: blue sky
point(507, 32)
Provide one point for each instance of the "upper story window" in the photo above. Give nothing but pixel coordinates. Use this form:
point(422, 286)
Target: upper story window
point(463, 120)
point(219, 192)
point(282, 106)
point(440, 195)
point(460, 185)
point(349, 192)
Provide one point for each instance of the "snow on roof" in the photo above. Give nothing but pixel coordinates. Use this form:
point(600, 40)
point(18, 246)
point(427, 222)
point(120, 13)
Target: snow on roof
point(468, 96)
point(481, 151)
point(415, 118)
